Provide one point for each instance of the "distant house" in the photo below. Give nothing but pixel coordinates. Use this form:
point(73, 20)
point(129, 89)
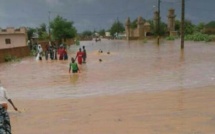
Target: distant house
point(11, 37)
point(107, 34)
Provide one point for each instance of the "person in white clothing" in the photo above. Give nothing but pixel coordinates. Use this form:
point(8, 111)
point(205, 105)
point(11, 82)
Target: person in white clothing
point(5, 126)
point(39, 52)
point(4, 98)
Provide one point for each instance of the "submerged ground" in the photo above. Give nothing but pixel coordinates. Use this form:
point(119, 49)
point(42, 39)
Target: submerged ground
point(137, 88)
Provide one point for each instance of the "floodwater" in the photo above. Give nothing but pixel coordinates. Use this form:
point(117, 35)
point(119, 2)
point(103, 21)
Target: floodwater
point(132, 66)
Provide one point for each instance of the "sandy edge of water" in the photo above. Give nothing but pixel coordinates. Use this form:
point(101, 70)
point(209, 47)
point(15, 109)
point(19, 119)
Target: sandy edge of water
point(164, 112)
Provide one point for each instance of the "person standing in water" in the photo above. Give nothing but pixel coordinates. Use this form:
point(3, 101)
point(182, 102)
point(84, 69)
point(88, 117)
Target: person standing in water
point(5, 127)
point(84, 55)
point(74, 66)
point(40, 52)
point(79, 55)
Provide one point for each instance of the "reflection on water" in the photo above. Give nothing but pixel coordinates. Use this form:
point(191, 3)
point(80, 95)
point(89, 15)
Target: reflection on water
point(131, 66)
point(74, 78)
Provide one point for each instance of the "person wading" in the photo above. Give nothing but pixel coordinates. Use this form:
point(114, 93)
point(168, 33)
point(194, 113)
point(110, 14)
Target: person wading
point(5, 127)
point(79, 55)
point(74, 66)
point(84, 55)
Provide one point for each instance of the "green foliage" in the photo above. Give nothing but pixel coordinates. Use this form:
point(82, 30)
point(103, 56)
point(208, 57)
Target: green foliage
point(199, 27)
point(102, 32)
point(44, 35)
point(87, 33)
point(199, 37)
point(177, 25)
point(189, 27)
point(42, 28)
point(33, 52)
point(42, 31)
point(10, 58)
point(171, 38)
point(62, 29)
point(134, 24)
point(117, 27)
point(152, 26)
point(163, 28)
point(30, 32)
point(211, 24)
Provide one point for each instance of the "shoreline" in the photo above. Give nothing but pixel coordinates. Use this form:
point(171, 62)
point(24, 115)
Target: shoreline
point(163, 112)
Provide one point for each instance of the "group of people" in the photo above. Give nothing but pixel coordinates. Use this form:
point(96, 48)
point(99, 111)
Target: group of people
point(49, 49)
point(52, 51)
point(62, 53)
point(81, 56)
point(5, 127)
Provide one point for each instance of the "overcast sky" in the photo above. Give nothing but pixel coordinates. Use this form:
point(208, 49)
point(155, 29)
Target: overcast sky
point(97, 14)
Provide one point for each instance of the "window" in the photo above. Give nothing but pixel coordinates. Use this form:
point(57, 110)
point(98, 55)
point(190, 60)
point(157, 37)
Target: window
point(7, 41)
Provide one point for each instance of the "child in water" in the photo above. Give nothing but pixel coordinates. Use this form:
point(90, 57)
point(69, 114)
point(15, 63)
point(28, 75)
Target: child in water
point(74, 66)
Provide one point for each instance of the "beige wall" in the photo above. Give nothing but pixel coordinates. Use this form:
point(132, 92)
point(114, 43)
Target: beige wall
point(18, 37)
point(17, 40)
point(19, 52)
point(134, 33)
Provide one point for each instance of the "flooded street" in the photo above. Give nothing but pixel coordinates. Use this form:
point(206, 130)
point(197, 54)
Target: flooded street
point(130, 67)
point(139, 88)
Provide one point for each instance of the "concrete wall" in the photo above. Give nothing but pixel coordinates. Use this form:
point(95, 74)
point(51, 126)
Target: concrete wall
point(134, 33)
point(18, 52)
point(16, 37)
point(16, 40)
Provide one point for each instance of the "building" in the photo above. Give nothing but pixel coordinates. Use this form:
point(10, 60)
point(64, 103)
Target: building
point(170, 23)
point(140, 32)
point(12, 38)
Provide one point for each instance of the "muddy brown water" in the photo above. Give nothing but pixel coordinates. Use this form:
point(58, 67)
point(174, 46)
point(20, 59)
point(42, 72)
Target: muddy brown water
point(132, 66)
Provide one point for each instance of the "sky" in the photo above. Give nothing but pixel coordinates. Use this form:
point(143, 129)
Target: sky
point(97, 14)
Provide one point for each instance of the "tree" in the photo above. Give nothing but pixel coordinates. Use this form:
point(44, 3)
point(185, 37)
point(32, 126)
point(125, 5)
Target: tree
point(62, 29)
point(209, 28)
point(87, 33)
point(200, 27)
point(211, 24)
point(102, 32)
point(189, 27)
point(134, 24)
point(117, 27)
point(30, 32)
point(177, 25)
point(42, 31)
point(163, 28)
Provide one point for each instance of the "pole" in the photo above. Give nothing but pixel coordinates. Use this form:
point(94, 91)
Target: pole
point(49, 26)
point(182, 23)
point(158, 26)
point(117, 27)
